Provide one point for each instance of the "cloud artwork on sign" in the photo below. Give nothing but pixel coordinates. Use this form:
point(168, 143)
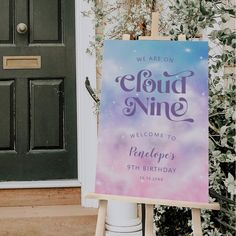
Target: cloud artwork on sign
point(153, 126)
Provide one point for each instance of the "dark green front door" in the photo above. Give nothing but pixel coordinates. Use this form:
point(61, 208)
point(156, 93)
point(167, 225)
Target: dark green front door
point(37, 94)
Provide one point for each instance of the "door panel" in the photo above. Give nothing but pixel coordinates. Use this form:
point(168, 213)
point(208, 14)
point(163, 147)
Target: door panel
point(38, 106)
point(47, 114)
point(6, 23)
point(7, 115)
point(45, 21)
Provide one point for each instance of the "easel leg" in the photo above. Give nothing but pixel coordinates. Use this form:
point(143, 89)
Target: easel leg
point(143, 206)
point(102, 211)
point(149, 220)
point(196, 221)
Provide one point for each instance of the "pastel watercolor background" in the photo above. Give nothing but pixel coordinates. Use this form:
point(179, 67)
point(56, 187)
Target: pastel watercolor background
point(121, 168)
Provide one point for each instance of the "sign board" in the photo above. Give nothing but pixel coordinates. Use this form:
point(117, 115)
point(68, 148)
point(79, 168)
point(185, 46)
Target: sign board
point(153, 127)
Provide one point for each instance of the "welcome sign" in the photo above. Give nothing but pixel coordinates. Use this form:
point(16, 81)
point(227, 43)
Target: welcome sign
point(153, 131)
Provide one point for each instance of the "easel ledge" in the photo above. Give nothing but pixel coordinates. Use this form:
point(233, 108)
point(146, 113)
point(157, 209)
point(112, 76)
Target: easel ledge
point(151, 201)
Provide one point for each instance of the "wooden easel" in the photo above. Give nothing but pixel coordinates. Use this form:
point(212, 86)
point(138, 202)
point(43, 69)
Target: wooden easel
point(150, 203)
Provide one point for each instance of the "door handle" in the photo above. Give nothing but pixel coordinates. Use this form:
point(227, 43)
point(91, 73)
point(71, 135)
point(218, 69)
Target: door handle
point(21, 28)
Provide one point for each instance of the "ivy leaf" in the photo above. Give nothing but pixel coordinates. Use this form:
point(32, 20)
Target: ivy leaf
point(234, 115)
point(224, 57)
point(201, 18)
point(224, 142)
point(227, 31)
point(203, 10)
point(223, 129)
point(233, 43)
point(230, 183)
point(225, 17)
point(172, 31)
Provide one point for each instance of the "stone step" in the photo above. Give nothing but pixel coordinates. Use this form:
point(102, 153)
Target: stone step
point(60, 220)
point(40, 197)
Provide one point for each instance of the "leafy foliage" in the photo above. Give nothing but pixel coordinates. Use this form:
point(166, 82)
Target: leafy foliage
point(193, 18)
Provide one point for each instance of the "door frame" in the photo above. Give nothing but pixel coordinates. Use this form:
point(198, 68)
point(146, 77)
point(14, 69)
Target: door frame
point(86, 119)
